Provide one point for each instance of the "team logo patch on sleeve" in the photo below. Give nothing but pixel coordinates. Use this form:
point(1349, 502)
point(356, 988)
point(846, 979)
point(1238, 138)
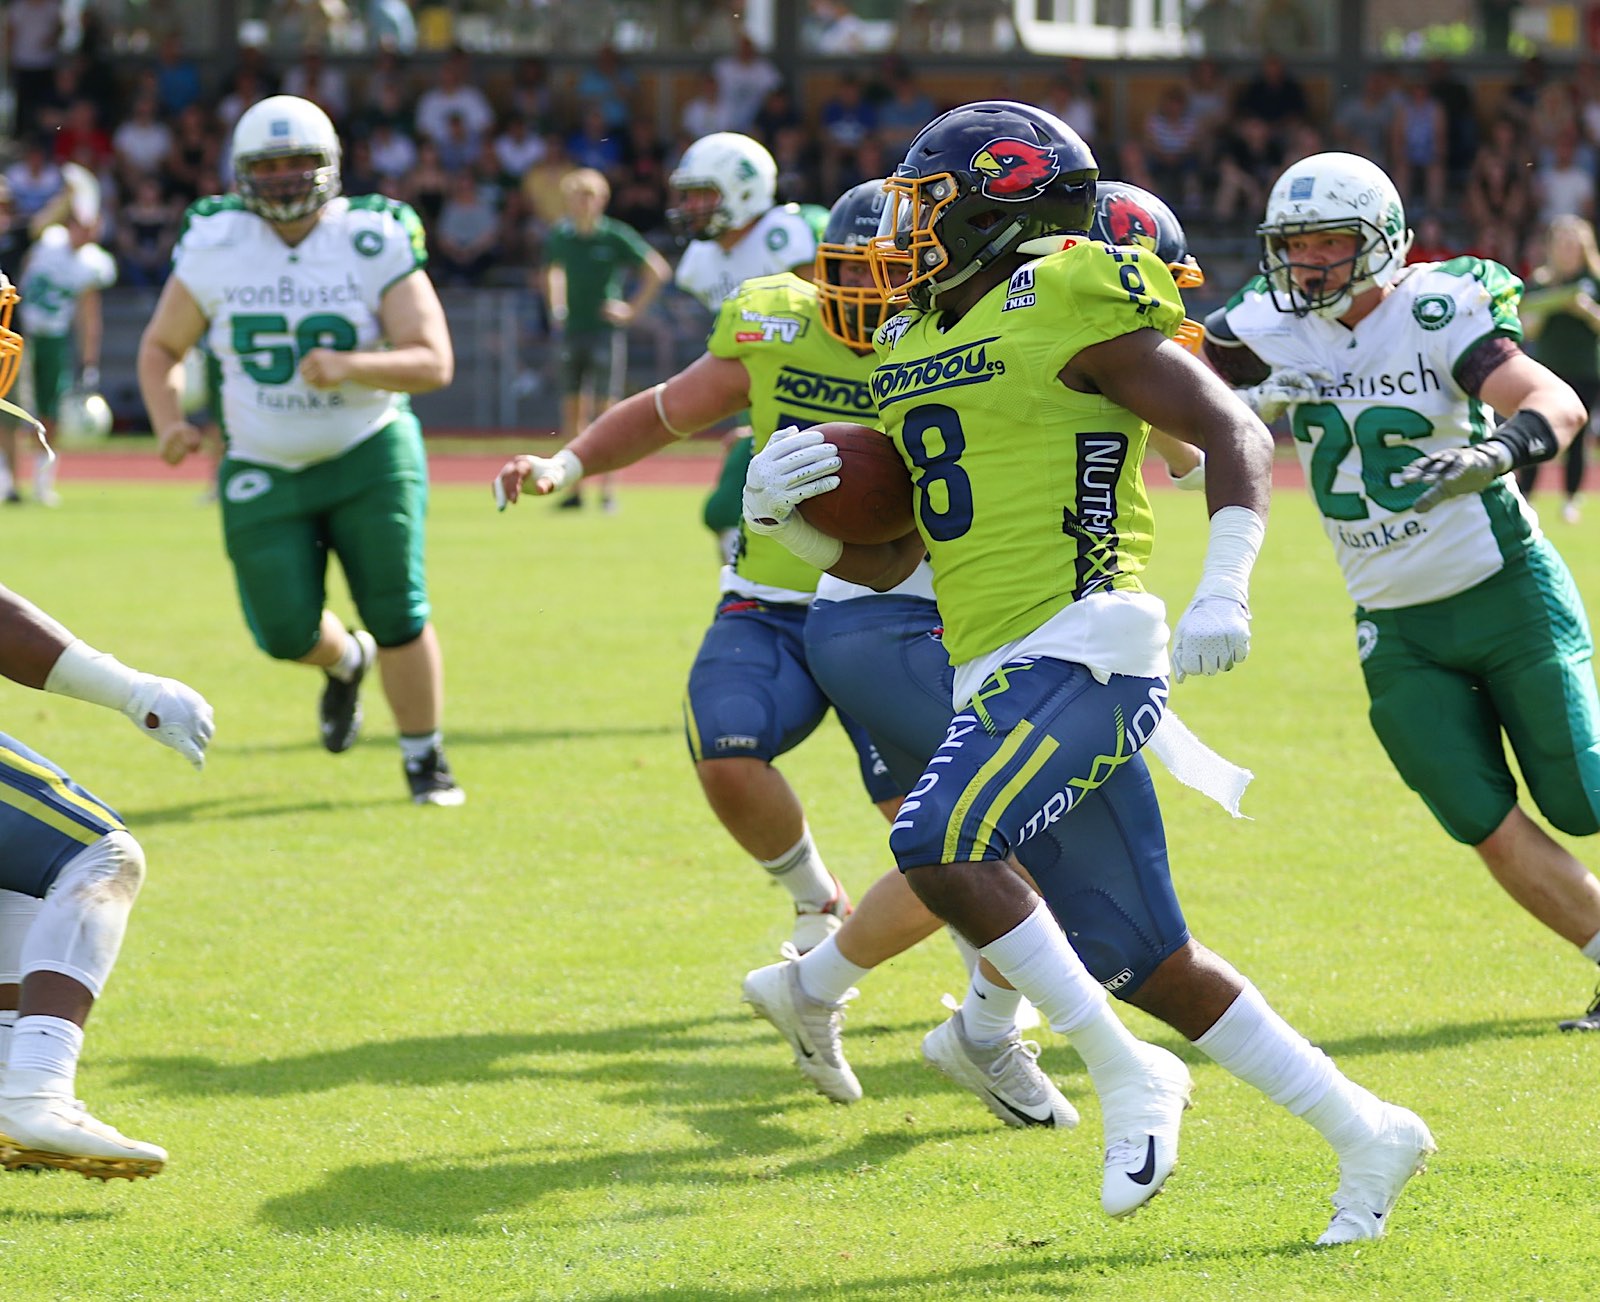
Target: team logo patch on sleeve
point(1434, 311)
point(1014, 170)
point(368, 243)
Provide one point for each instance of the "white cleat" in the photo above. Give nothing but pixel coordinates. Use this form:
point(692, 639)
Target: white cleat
point(810, 1026)
point(54, 1131)
point(1005, 1076)
point(813, 926)
point(1372, 1176)
point(1141, 1115)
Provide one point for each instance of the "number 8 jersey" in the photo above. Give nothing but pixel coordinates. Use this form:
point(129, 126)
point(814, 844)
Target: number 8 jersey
point(268, 304)
point(1404, 385)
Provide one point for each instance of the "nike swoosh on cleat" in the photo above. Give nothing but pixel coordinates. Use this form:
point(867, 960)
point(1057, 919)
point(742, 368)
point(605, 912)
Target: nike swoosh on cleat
point(1146, 1173)
point(1027, 1118)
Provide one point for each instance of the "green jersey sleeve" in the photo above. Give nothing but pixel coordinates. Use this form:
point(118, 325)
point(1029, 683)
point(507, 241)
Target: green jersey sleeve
point(1464, 302)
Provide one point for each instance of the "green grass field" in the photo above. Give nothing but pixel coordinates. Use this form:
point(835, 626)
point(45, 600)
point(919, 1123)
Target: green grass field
point(498, 1052)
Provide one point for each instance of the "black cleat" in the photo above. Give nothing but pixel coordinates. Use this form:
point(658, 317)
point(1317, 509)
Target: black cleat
point(431, 781)
point(1590, 1021)
point(341, 701)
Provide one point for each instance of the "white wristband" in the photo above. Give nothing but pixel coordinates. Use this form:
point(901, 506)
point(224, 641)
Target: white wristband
point(1236, 536)
point(807, 542)
point(92, 676)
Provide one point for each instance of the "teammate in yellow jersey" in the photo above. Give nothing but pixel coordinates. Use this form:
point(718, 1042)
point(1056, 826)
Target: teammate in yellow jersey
point(1020, 386)
point(69, 873)
point(750, 696)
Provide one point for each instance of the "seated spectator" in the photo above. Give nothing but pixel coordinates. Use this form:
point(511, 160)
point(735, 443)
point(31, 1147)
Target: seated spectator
point(460, 146)
point(324, 86)
point(13, 232)
point(1497, 242)
point(1304, 140)
point(1275, 97)
point(1460, 107)
point(66, 89)
point(533, 98)
point(701, 114)
point(1171, 137)
point(357, 172)
point(1430, 243)
point(640, 195)
point(453, 96)
point(743, 80)
point(177, 77)
point(797, 179)
point(610, 86)
point(394, 153)
point(386, 78)
point(517, 148)
point(777, 111)
point(466, 234)
point(1247, 165)
point(907, 110)
point(1363, 123)
point(195, 149)
point(1211, 100)
point(1563, 186)
point(146, 230)
point(427, 185)
point(142, 142)
point(1418, 140)
point(1074, 97)
point(81, 139)
point(248, 89)
point(34, 179)
point(385, 102)
point(1499, 186)
point(541, 190)
point(596, 144)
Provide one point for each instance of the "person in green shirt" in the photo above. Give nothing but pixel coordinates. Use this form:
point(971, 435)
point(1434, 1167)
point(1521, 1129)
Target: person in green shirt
point(588, 256)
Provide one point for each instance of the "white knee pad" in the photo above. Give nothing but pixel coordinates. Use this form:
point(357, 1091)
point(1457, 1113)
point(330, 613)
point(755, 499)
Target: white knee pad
point(82, 920)
point(17, 913)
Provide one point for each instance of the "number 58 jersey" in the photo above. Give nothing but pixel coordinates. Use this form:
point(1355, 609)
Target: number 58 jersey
point(268, 304)
point(1397, 395)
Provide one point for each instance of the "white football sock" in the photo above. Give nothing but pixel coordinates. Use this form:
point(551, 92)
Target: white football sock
point(1036, 958)
point(825, 973)
point(351, 662)
point(1591, 951)
point(44, 1057)
point(1261, 1049)
point(989, 1012)
point(802, 872)
point(419, 747)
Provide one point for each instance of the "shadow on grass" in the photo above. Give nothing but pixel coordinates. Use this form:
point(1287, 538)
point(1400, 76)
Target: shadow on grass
point(478, 737)
point(224, 809)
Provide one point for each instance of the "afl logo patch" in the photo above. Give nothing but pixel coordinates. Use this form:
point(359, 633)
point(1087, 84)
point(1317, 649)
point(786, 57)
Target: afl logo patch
point(1433, 311)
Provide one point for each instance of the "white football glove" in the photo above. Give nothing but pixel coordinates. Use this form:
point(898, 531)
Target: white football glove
point(1213, 635)
point(1192, 482)
point(1282, 389)
point(174, 714)
point(1456, 472)
point(795, 465)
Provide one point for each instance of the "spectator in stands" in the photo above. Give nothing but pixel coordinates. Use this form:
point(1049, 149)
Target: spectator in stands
point(1074, 97)
point(387, 77)
point(454, 95)
point(834, 29)
point(609, 85)
point(82, 139)
point(702, 111)
point(1499, 186)
point(34, 179)
point(1418, 140)
point(141, 144)
point(253, 63)
point(394, 153)
point(1564, 187)
point(357, 173)
point(533, 98)
point(194, 150)
point(640, 195)
point(467, 235)
point(1460, 107)
point(1363, 122)
point(313, 79)
point(177, 76)
point(797, 165)
point(144, 234)
point(33, 40)
point(907, 110)
point(596, 143)
point(1170, 149)
point(1522, 94)
point(427, 185)
point(1275, 97)
point(846, 120)
point(1211, 100)
point(385, 102)
point(1554, 116)
point(460, 146)
point(1430, 243)
point(1247, 164)
point(541, 189)
point(66, 89)
point(248, 89)
point(778, 111)
point(517, 148)
point(743, 80)
point(13, 230)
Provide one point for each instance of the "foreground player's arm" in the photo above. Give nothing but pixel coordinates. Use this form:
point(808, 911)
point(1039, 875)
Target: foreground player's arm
point(1543, 415)
point(419, 358)
point(38, 652)
point(709, 389)
point(1168, 387)
point(174, 329)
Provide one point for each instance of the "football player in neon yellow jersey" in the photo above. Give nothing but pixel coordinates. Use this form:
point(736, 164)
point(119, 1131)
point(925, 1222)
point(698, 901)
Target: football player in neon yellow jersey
point(1466, 615)
point(1020, 387)
point(750, 695)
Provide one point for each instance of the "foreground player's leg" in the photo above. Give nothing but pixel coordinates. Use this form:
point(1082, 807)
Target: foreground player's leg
point(66, 957)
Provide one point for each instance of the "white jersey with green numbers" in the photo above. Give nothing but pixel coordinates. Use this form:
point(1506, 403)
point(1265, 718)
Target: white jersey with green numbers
point(1028, 493)
point(55, 276)
point(799, 375)
point(268, 304)
point(1395, 397)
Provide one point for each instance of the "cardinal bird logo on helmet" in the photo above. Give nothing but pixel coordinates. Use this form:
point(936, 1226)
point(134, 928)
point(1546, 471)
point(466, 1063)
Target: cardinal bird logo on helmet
point(1130, 223)
point(1014, 170)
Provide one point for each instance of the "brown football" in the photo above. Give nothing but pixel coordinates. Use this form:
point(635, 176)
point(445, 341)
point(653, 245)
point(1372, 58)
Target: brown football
point(873, 502)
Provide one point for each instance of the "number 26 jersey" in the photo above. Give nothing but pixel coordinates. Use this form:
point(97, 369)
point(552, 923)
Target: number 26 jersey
point(268, 304)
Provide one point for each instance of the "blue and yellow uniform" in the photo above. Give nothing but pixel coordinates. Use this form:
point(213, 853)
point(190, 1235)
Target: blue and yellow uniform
point(1030, 501)
point(45, 819)
point(751, 694)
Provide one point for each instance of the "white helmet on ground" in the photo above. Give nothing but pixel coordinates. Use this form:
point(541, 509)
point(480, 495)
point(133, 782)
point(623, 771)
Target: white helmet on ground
point(1334, 192)
point(741, 173)
point(84, 416)
point(285, 126)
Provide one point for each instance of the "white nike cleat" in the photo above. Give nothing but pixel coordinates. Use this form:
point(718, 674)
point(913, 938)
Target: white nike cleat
point(1005, 1075)
point(810, 1026)
point(1141, 1115)
point(1372, 1175)
point(52, 1130)
point(812, 926)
